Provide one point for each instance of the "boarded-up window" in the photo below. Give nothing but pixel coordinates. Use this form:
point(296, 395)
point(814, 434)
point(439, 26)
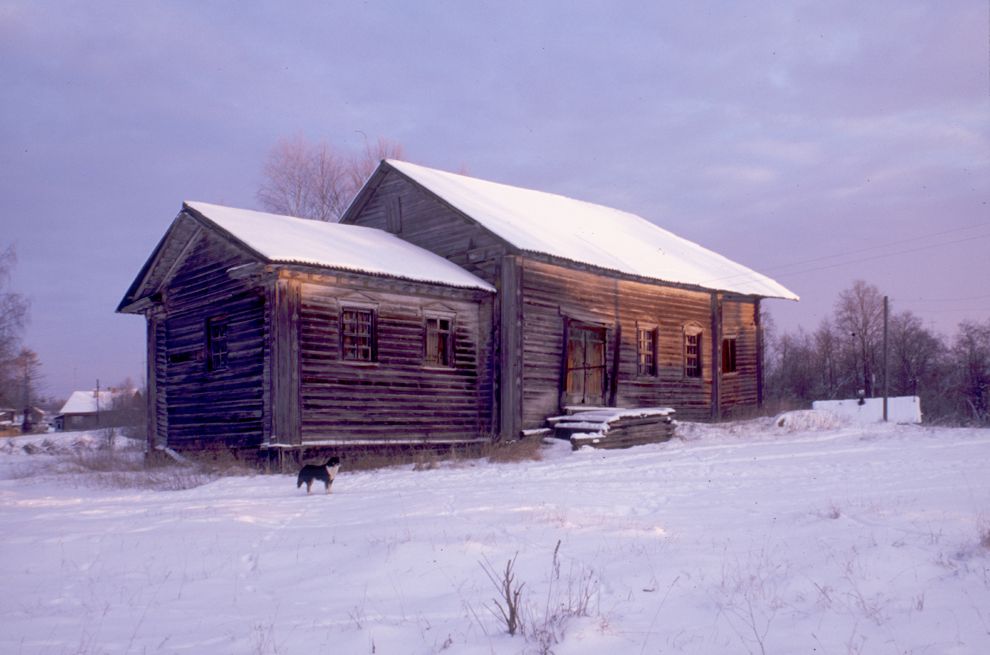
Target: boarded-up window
point(393, 215)
point(647, 351)
point(729, 355)
point(692, 351)
point(216, 344)
point(439, 342)
point(357, 335)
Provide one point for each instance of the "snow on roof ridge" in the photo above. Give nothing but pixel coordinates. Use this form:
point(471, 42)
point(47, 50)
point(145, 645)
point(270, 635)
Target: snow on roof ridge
point(294, 240)
point(84, 402)
point(590, 233)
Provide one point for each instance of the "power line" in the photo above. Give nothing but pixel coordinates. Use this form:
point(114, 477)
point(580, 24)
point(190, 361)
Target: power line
point(859, 260)
point(923, 300)
point(868, 249)
point(953, 310)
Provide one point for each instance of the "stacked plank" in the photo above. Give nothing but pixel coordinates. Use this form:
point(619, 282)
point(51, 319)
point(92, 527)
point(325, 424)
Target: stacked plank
point(615, 427)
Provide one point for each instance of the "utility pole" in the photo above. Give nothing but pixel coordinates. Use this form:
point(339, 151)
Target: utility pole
point(886, 388)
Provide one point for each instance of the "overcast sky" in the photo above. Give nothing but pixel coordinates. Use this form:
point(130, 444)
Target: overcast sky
point(817, 142)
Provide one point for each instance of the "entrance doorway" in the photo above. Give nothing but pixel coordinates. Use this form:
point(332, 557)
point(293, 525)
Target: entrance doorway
point(584, 374)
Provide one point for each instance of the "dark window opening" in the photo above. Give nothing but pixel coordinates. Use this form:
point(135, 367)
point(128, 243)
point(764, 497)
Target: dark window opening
point(182, 358)
point(438, 342)
point(729, 355)
point(216, 344)
point(357, 335)
point(692, 354)
point(393, 215)
point(647, 352)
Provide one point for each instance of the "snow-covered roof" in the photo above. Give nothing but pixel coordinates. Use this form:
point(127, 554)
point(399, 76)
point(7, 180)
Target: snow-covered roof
point(284, 239)
point(84, 402)
point(584, 232)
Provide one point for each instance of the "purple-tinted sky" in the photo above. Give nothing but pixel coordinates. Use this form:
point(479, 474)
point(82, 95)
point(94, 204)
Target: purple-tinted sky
point(818, 142)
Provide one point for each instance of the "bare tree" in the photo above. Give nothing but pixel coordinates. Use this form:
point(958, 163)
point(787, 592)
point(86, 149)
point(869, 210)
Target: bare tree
point(916, 355)
point(305, 180)
point(792, 376)
point(13, 317)
point(971, 363)
point(859, 314)
point(27, 370)
point(316, 180)
point(830, 361)
point(364, 164)
point(841, 356)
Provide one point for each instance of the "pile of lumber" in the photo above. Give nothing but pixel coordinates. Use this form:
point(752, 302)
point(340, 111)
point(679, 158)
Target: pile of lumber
point(614, 427)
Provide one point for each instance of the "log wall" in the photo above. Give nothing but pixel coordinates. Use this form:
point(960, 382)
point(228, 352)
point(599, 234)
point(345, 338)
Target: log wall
point(739, 391)
point(552, 293)
point(203, 406)
point(527, 376)
point(397, 396)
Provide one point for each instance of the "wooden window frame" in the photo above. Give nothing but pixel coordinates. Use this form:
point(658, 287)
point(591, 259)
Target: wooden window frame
point(444, 348)
point(647, 334)
point(352, 333)
point(694, 351)
point(730, 362)
point(217, 343)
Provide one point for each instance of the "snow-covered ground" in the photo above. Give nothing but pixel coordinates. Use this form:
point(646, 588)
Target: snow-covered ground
point(792, 536)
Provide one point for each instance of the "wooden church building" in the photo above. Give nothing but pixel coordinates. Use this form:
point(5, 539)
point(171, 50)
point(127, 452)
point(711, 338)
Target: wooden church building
point(442, 309)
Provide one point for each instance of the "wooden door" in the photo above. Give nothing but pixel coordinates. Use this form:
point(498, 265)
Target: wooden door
point(584, 376)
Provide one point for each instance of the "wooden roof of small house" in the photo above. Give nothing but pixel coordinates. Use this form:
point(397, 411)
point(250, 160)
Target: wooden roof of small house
point(277, 239)
point(580, 232)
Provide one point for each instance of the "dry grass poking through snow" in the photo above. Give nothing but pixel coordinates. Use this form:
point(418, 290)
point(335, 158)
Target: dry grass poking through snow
point(127, 468)
point(520, 450)
point(543, 623)
point(103, 460)
point(983, 526)
point(740, 538)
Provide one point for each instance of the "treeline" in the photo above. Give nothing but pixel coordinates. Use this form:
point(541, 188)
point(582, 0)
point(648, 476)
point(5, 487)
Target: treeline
point(19, 366)
point(843, 357)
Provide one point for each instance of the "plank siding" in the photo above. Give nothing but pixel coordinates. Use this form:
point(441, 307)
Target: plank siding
point(552, 293)
point(221, 407)
point(397, 396)
point(433, 225)
point(283, 299)
point(740, 392)
point(156, 386)
point(285, 382)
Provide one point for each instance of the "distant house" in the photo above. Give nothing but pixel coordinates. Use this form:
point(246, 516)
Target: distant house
point(85, 410)
point(442, 309)
point(7, 415)
point(12, 420)
point(37, 420)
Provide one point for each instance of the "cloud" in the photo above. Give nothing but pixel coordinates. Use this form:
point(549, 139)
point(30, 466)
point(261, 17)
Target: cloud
point(749, 127)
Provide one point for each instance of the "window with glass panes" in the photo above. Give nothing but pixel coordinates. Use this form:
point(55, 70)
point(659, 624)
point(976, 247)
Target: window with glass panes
point(692, 353)
point(216, 344)
point(357, 334)
point(647, 351)
point(438, 342)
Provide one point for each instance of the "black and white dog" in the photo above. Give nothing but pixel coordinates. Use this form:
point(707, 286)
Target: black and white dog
point(323, 472)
